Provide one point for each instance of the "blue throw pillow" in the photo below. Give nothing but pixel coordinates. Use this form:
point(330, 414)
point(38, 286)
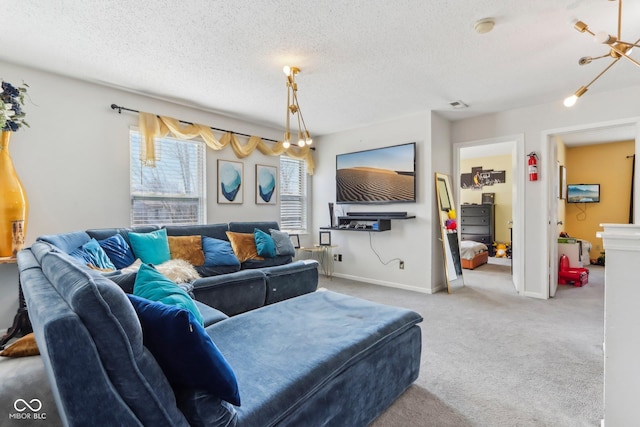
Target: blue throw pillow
point(187, 355)
point(81, 255)
point(118, 251)
point(284, 246)
point(153, 285)
point(218, 253)
point(151, 248)
point(264, 244)
point(97, 256)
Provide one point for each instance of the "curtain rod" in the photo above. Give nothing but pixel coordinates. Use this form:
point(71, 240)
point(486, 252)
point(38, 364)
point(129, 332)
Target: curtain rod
point(119, 108)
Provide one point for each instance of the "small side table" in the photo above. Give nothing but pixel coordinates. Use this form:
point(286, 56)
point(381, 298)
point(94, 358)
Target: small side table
point(21, 323)
point(324, 255)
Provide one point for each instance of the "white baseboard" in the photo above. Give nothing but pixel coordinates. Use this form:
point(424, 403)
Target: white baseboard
point(534, 295)
point(388, 284)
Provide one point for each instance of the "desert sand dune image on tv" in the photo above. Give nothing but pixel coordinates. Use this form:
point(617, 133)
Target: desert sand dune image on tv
point(384, 175)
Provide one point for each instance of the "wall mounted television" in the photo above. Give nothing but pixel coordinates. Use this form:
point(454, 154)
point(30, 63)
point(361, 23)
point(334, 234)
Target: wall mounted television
point(583, 193)
point(379, 175)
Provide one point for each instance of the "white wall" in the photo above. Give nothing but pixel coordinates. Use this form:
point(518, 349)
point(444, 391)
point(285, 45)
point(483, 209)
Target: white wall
point(74, 160)
point(441, 162)
point(410, 240)
point(536, 122)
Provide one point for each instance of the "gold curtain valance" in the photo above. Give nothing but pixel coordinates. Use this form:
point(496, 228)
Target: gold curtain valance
point(153, 126)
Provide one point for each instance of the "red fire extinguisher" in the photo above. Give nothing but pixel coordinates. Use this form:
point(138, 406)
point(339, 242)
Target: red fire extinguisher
point(533, 166)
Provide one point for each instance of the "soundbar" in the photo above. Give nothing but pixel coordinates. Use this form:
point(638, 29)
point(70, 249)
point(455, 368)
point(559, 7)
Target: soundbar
point(378, 214)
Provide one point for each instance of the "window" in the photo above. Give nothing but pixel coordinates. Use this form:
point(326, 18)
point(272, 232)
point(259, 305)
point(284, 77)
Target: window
point(293, 194)
point(172, 192)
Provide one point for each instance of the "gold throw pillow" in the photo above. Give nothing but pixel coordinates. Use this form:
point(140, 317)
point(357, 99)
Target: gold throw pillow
point(243, 245)
point(188, 248)
point(25, 346)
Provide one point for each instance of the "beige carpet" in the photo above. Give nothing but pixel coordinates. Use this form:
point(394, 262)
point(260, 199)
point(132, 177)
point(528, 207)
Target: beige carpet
point(493, 358)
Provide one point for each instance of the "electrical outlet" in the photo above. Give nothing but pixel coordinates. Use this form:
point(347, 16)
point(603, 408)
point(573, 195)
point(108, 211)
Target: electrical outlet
point(335, 257)
point(401, 265)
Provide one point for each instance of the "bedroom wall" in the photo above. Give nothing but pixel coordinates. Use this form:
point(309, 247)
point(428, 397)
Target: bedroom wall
point(74, 160)
point(585, 166)
point(503, 191)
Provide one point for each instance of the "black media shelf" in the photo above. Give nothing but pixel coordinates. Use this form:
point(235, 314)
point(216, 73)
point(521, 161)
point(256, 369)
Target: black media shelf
point(368, 221)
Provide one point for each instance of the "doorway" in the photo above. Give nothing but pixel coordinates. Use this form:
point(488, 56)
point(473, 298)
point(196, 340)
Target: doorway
point(603, 133)
point(513, 148)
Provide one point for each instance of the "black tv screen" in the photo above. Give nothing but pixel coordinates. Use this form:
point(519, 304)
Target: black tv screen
point(583, 193)
point(380, 175)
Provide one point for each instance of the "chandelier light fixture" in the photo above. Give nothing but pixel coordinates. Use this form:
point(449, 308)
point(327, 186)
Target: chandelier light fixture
point(293, 107)
point(617, 49)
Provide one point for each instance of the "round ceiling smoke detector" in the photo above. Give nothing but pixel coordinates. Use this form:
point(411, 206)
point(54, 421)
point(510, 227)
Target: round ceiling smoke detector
point(484, 25)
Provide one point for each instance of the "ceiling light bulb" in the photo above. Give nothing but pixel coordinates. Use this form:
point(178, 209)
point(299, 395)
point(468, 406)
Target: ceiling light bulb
point(287, 140)
point(308, 139)
point(570, 101)
point(286, 70)
point(301, 142)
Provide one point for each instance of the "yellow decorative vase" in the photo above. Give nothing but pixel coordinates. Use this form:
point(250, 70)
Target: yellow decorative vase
point(14, 206)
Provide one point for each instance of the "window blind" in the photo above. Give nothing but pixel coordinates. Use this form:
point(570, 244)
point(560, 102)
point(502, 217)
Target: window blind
point(173, 191)
point(293, 194)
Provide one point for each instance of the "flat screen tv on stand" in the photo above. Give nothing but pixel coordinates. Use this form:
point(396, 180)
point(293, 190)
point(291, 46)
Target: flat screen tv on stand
point(377, 176)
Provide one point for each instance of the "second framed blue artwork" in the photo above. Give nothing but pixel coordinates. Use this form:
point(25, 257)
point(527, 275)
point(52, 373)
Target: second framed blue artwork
point(266, 185)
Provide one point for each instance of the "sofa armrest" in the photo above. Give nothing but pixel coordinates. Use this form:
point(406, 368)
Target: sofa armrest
point(232, 293)
point(67, 242)
point(291, 280)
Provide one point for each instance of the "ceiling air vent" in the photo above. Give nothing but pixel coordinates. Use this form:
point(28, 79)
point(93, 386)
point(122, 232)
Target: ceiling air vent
point(458, 105)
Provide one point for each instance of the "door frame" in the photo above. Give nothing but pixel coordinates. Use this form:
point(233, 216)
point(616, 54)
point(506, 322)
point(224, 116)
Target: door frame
point(549, 152)
point(518, 182)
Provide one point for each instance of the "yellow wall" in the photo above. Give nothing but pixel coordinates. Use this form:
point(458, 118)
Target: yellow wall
point(503, 192)
point(607, 165)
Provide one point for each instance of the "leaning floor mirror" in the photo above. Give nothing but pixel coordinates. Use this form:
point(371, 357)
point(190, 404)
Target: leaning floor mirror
point(448, 224)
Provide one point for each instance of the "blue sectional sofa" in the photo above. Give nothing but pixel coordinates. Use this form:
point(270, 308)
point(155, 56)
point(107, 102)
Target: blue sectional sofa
point(229, 289)
point(316, 359)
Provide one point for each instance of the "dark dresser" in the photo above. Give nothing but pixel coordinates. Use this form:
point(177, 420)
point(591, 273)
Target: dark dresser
point(477, 223)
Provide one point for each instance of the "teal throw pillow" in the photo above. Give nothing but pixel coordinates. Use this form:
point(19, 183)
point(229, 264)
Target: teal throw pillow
point(218, 253)
point(265, 245)
point(186, 353)
point(153, 285)
point(151, 248)
point(283, 242)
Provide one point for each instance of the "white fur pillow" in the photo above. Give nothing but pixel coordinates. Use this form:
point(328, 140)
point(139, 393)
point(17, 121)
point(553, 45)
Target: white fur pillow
point(176, 270)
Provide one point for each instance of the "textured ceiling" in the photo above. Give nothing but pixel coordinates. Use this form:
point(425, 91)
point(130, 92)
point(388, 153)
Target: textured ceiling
point(362, 61)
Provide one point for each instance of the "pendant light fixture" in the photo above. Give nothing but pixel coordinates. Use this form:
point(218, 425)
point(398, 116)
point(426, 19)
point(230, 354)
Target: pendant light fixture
point(293, 107)
point(617, 49)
